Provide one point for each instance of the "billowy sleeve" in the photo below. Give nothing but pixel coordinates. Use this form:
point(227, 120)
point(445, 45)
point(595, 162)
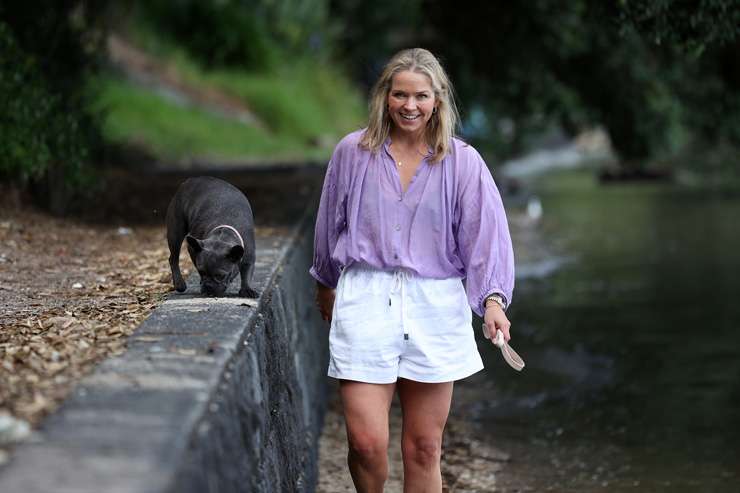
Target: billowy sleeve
point(483, 237)
point(330, 221)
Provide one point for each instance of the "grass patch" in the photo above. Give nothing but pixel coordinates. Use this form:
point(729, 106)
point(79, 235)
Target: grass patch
point(307, 103)
point(136, 115)
point(306, 106)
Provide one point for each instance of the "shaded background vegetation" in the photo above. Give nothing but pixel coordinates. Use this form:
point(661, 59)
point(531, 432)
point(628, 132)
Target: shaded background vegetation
point(662, 77)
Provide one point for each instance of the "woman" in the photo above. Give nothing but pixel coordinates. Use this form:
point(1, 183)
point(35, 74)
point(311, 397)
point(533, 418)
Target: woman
point(407, 212)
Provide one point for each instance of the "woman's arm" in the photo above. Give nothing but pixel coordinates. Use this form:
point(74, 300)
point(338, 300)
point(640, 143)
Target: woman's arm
point(484, 242)
point(330, 221)
point(325, 300)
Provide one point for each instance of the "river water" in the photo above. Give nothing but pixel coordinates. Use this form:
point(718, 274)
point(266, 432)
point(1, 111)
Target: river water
point(629, 321)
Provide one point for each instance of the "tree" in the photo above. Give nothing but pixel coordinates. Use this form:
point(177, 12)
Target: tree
point(46, 51)
point(648, 71)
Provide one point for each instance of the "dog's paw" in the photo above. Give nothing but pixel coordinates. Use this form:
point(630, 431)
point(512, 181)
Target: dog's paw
point(248, 292)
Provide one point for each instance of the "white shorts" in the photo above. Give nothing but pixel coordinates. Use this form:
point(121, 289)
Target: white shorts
point(390, 325)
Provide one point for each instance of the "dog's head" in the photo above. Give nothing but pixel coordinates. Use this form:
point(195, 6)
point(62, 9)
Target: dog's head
point(217, 262)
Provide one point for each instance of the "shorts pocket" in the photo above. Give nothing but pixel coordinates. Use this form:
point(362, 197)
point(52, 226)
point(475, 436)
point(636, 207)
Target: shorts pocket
point(359, 297)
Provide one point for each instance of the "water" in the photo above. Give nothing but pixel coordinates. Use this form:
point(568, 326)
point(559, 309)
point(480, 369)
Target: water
point(632, 344)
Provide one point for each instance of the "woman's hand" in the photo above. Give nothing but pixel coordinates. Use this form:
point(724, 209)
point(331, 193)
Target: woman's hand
point(495, 319)
point(325, 300)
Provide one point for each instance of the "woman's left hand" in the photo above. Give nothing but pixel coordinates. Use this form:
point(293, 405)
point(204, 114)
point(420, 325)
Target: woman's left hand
point(495, 319)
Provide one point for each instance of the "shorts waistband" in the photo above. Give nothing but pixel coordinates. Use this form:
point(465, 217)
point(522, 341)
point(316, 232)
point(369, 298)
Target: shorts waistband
point(373, 270)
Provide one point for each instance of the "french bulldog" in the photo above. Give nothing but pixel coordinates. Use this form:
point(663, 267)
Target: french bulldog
point(215, 219)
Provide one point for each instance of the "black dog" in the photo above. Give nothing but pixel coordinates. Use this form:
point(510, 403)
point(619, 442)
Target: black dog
point(216, 220)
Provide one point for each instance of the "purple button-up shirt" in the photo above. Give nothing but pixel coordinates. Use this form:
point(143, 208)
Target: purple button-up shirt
point(450, 222)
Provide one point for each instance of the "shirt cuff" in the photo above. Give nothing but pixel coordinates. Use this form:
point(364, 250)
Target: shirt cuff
point(496, 292)
point(315, 274)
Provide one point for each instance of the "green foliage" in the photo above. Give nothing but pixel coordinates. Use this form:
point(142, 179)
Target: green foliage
point(46, 50)
point(303, 111)
point(305, 105)
point(552, 62)
point(135, 115)
point(306, 102)
point(24, 104)
point(368, 33)
point(63, 37)
point(302, 103)
point(254, 34)
point(40, 127)
point(691, 26)
point(657, 74)
point(171, 131)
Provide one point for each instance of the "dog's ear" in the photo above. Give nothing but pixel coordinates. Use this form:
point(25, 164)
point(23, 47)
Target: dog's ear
point(194, 243)
point(235, 253)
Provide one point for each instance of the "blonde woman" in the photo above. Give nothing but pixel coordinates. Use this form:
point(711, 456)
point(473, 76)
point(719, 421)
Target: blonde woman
point(411, 234)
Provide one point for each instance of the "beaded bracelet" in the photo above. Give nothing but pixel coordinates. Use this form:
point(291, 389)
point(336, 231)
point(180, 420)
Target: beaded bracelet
point(496, 299)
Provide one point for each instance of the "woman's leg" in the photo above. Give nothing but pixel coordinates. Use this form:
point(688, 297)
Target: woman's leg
point(366, 407)
point(425, 410)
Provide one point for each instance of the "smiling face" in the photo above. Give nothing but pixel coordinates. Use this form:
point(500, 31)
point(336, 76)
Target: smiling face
point(411, 102)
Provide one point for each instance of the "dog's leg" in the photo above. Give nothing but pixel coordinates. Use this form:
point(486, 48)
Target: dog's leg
point(175, 235)
point(245, 271)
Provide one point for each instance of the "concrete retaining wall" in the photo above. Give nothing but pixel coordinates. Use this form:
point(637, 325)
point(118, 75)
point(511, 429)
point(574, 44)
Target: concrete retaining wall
point(213, 395)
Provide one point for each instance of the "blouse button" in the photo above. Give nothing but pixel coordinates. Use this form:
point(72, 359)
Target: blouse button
point(398, 227)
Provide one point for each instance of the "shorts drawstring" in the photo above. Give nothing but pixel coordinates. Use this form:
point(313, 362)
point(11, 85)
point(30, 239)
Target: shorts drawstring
point(398, 283)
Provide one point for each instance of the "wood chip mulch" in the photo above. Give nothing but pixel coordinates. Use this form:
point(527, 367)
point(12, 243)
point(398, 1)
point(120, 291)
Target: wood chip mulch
point(70, 294)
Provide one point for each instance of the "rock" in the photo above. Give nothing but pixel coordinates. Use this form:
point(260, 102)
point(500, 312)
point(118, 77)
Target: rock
point(12, 430)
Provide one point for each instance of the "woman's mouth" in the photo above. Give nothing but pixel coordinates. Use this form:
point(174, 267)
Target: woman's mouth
point(409, 117)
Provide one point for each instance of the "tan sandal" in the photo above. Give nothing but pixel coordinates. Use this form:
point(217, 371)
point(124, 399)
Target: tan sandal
point(510, 356)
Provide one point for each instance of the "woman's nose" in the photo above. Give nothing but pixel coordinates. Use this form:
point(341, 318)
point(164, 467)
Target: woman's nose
point(410, 103)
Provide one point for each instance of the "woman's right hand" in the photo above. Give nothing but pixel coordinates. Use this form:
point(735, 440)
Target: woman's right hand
point(495, 319)
point(325, 300)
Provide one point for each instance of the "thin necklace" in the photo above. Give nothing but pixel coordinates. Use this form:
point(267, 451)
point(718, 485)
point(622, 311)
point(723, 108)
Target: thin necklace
point(399, 163)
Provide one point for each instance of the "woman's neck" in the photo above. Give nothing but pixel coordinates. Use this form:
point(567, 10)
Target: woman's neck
point(403, 140)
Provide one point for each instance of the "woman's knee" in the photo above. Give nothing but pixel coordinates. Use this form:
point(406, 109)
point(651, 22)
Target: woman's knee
point(368, 447)
point(422, 450)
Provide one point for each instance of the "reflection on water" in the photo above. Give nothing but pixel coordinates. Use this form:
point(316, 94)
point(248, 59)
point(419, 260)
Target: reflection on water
point(541, 268)
point(632, 345)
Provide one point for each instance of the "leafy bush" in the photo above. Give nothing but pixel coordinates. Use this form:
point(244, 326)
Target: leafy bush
point(653, 72)
point(40, 128)
point(251, 34)
point(47, 49)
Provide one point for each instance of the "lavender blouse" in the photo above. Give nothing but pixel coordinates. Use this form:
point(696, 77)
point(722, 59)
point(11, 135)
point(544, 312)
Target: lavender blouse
point(450, 222)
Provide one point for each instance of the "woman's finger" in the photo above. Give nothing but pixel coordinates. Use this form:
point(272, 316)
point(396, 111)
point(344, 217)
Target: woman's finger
point(505, 327)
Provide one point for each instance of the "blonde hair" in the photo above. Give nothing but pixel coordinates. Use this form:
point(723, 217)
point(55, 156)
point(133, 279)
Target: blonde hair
point(440, 128)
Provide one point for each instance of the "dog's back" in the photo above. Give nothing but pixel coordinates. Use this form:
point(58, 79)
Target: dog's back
point(213, 202)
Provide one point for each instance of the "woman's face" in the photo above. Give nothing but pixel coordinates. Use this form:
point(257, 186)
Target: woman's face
point(411, 101)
